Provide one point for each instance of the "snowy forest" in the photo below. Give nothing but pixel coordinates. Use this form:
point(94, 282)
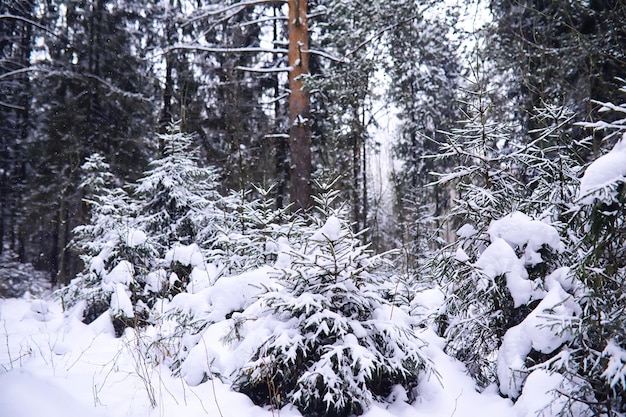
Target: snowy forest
point(312, 208)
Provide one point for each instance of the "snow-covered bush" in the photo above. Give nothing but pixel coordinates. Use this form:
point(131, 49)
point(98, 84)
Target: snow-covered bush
point(329, 344)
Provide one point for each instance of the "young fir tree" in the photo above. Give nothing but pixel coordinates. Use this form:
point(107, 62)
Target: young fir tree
point(574, 336)
point(598, 360)
point(253, 234)
point(142, 246)
point(333, 346)
point(99, 243)
point(494, 280)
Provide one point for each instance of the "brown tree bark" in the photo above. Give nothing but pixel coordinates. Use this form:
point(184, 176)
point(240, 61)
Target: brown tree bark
point(299, 106)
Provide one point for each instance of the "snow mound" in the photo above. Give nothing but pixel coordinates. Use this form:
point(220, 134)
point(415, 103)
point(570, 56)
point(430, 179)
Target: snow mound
point(541, 397)
point(603, 172)
point(40, 310)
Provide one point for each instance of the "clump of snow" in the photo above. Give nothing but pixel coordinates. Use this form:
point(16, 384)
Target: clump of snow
point(199, 279)
point(283, 259)
point(97, 265)
point(615, 371)
point(194, 305)
point(565, 278)
point(156, 280)
point(227, 295)
point(135, 237)
point(120, 302)
point(460, 255)
point(500, 259)
point(544, 330)
point(522, 232)
point(466, 231)
point(122, 274)
point(189, 255)
point(603, 172)
point(330, 231)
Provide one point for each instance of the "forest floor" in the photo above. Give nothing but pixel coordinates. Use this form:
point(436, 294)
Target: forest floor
point(55, 366)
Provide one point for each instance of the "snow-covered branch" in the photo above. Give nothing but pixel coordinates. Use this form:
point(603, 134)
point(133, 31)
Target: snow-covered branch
point(262, 20)
point(240, 5)
point(275, 99)
point(381, 33)
point(11, 106)
point(19, 71)
point(226, 50)
point(325, 55)
point(264, 70)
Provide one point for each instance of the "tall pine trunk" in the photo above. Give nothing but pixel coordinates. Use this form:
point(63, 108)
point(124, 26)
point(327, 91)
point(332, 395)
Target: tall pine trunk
point(299, 106)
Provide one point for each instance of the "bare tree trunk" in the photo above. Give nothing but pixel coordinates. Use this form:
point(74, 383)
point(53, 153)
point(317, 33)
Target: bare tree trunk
point(299, 106)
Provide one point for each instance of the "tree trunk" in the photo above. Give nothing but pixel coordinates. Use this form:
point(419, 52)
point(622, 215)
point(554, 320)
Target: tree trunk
point(299, 108)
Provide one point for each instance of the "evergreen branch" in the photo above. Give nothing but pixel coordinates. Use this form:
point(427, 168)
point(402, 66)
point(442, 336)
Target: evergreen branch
point(262, 20)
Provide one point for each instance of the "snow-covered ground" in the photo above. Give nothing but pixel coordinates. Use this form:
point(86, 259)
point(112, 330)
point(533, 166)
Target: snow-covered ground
point(56, 366)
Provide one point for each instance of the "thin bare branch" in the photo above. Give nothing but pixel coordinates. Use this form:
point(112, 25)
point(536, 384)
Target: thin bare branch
point(29, 21)
point(20, 71)
point(11, 106)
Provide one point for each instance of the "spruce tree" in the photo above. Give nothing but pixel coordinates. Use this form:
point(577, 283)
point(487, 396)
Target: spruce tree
point(335, 347)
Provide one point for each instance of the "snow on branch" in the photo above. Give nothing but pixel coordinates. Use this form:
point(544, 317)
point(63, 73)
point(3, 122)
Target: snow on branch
point(240, 5)
point(264, 70)
point(325, 55)
point(19, 71)
point(381, 33)
point(11, 106)
point(225, 50)
point(263, 20)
